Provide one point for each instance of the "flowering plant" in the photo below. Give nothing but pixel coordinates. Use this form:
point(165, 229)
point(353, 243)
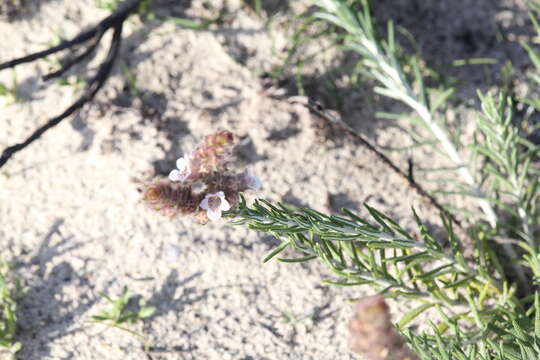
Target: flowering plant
point(485, 302)
point(207, 167)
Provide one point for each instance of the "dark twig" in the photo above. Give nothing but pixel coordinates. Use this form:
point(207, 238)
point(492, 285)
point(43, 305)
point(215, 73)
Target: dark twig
point(410, 170)
point(318, 110)
point(70, 62)
point(93, 87)
point(114, 21)
point(123, 11)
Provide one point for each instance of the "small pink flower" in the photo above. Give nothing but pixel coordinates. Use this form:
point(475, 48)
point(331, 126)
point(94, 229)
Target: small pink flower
point(214, 204)
point(183, 170)
point(252, 182)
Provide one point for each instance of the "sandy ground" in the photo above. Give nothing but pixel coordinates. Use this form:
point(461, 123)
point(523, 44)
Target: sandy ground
point(70, 210)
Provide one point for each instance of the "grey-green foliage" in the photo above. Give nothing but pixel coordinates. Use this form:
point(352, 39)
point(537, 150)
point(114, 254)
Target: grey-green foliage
point(390, 258)
point(510, 156)
point(533, 55)
point(381, 60)
point(533, 98)
point(487, 310)
point(10, 292)
point(509, 168)
point(518, 338)
point(383, 255)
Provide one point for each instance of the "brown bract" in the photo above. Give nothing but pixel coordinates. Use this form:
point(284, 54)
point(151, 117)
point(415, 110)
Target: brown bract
point(171, 199)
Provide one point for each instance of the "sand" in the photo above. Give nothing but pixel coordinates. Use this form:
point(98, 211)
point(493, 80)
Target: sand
point(70, 211)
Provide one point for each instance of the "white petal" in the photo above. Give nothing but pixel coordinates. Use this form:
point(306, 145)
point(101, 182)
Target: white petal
point(204, 203)
point(213, 215)
point(220, 194)
point(254, 183)
point(224, 206)
point(182, 164)
point(175, 175)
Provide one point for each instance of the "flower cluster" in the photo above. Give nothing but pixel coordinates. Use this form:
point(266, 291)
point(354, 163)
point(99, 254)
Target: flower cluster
point(207, 167)
point(372, 332)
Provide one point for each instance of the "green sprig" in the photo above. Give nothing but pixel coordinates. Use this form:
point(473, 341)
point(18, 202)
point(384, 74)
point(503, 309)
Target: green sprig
point(384, 255)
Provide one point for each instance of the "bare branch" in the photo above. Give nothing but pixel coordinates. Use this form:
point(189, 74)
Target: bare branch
point(115, 21)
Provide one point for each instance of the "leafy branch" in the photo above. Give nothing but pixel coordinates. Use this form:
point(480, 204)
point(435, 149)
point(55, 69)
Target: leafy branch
point(510, 164)
point(380, 58)
point(512, 176)
point(384, 256)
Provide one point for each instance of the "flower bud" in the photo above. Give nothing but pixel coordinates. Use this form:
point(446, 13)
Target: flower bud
point(372, 333)
point(212, 155)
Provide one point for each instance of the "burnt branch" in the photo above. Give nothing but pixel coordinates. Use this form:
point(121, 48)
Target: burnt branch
point(70, 62)
point(119, 16)
point(115, 22)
